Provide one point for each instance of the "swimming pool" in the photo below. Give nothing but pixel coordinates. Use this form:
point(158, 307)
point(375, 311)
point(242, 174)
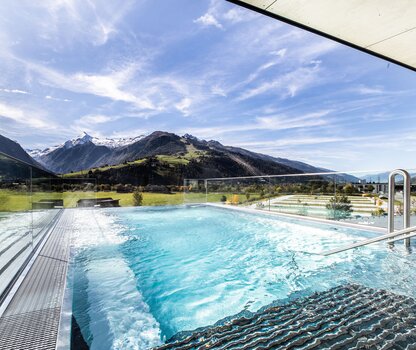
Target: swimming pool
point(143, 274)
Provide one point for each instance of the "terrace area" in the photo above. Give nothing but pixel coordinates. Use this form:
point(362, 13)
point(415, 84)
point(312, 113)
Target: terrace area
point(43, 294)
point(301, 260)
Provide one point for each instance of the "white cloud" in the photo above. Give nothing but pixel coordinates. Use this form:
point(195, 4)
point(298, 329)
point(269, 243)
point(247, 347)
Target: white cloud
point(270, 123)
point(208, 20)
point(288, 84)
point(95, 119)
point(234, 15)
point(366, 90)
point(218, 90)
point(280, 53)
point(14, 91)
point(183, 106)
point(111, 85)
point(90, 123)
point(217, 14)
point(314, 49)
point(284, 142)
point(78, 20)
point(48, 97)
point(25, 117)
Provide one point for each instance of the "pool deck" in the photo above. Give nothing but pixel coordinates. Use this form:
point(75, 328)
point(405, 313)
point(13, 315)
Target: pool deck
point(31, 314)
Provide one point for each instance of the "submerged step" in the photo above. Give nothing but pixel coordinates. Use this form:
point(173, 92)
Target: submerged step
point(344, 317)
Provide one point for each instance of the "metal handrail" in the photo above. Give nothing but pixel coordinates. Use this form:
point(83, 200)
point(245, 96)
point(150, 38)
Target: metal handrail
point(392, 235)
point(406, 202)
point(396, 235)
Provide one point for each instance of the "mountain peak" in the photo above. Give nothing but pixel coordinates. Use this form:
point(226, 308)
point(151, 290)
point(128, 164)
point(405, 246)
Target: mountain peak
point(85, 138)
point(80, 140)
point(190, 137)
point(84, 135)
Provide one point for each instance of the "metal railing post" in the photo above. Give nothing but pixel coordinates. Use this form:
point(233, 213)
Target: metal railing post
point(406, 202)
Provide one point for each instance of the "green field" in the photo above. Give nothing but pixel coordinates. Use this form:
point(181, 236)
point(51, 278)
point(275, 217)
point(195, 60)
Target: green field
point(19, 201)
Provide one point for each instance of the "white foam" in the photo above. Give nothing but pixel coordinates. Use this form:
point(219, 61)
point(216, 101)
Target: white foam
point(120, 318)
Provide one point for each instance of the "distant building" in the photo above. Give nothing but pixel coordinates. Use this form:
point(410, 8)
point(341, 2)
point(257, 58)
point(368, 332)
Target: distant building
point(373, 187)
point(379, 187)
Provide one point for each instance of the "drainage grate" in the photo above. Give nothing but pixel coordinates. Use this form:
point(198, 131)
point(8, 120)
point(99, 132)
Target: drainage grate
point(31, 320)
point(346, 317)
point(30, 330)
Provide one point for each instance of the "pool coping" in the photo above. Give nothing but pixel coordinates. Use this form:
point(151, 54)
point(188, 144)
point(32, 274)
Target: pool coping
point(298, 217)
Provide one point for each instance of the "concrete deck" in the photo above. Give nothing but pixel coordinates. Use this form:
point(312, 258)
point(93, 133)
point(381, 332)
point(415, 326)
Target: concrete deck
point(32, 317)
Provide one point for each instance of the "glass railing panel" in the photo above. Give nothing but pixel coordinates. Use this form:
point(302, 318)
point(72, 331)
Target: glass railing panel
point(16, 220)
point(352, 197)
point(136, 183)
point(195, 191)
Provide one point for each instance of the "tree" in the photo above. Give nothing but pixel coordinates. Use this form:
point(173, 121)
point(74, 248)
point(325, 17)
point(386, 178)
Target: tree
point(349, 189)
point(340, 207)
point(137, 198)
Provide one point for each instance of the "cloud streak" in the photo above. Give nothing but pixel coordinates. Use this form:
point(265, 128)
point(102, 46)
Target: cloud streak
point(216, 70)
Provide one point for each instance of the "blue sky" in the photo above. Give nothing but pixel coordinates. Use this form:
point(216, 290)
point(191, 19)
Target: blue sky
point(209, 68)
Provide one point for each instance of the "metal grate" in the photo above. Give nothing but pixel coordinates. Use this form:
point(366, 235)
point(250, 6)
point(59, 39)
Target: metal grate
point(30, 330)
point(31, 320)
point(346, 317)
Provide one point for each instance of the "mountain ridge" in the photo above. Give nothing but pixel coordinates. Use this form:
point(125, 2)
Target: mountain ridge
point(84, 138)
point(13, 149)
point(87, 152)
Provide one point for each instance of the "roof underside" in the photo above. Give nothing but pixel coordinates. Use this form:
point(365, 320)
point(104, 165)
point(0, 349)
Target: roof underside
point(383, 28)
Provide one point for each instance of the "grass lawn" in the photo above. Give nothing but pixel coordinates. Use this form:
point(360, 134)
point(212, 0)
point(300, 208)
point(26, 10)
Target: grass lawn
point(19, 201)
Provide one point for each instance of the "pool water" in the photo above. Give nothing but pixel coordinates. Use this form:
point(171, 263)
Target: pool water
point(143, 274)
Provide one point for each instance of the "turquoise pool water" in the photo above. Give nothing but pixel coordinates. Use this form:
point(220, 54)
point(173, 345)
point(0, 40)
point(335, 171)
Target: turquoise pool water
point(143, 274)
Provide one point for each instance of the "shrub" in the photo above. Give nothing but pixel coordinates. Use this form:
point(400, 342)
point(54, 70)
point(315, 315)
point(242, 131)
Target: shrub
point(223, 198)
point(378, 212)
point(349, 189)
point(137, 198)
point(340, 206)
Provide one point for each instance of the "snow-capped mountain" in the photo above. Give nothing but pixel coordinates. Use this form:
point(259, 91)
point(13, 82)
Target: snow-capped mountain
point(84, 139)
point(36, 153)
point(117, 142)
point(86, 152)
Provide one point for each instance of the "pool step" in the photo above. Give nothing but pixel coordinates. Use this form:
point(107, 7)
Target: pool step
point(345, 317)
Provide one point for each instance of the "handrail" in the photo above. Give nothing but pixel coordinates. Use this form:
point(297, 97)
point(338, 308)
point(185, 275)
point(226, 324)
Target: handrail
point(393, 235)
point(406, 202)
point(400, 238)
